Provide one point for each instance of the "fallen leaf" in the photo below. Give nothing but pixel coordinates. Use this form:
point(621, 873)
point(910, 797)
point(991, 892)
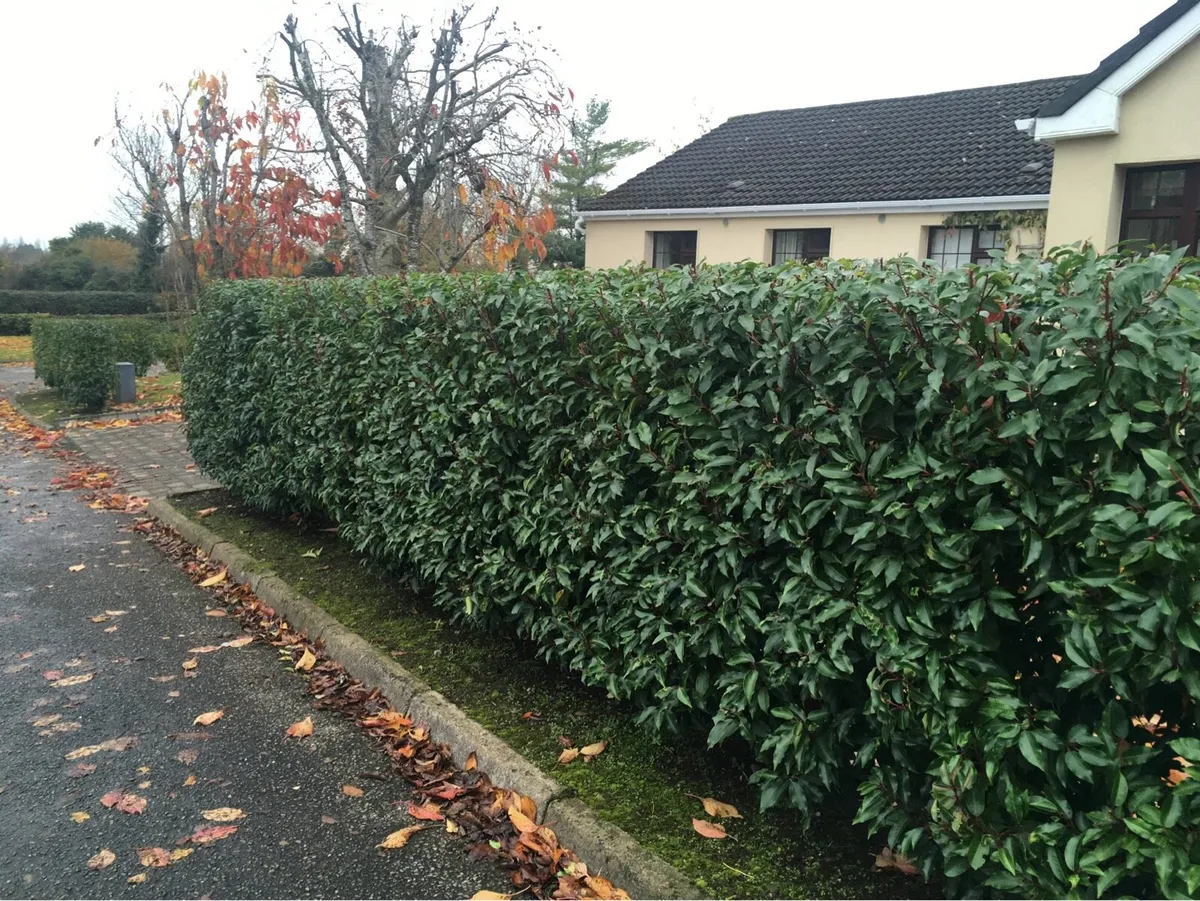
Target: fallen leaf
point(101, 859)
point(223, 814)
point(80, 816)
point(51, 675)
point(715, 808)
point(567, 756)
point(238, 642)
point(73, 680)
point(143, 770)
point(190, 780)
point(211, 834)
point(603, 889)
point(207, 511)
point(180, 853)
point(472, 762)
point(425, 812)
point(709, 830)
point(99, 619)
point(522, 822)
point(78, 567)
point(886, 859)
point(42, 721)
point(566, 741)
point(116, 612)
point(137, 879)
point(399, 838)
point(215, 580)
point(327, 819)
point(205, 649)
point(452, 826)
point(162, 678)
point(352, 791)
point(215, 612)
point(190, 663)
point(593, 750)
point(172, 694)
point(144, 785)
point(112, 744)
point(154, 857)
point(81, 769)
point(111, 629)
point(207, 719)
point(188, 756)
point(485, 895)
point(59, 728)
point(307, 661)
point(302, 729)
point(126, 802)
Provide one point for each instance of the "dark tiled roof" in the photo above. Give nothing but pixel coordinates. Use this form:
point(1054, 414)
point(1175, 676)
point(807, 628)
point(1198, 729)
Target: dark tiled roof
point(952, 144)
point(1116, 59)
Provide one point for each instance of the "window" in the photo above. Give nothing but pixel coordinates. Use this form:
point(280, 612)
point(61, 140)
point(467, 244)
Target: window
point(799, 244)
point(674, 249)
point(950, 247)
point(1161, 207)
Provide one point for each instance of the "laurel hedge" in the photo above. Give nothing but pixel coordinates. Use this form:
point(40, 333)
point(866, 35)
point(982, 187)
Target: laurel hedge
point(76, 303)
point(18, 323)
point(932, 534)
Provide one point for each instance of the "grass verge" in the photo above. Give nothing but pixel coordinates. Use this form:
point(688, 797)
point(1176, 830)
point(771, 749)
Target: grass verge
point(643, 785)
point(16, 349)
point(151, 391)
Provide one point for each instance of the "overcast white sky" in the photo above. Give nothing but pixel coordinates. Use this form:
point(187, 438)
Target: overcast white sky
point(666, 65)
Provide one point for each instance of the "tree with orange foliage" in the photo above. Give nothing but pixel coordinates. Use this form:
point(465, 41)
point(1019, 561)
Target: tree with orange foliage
point(227, 185)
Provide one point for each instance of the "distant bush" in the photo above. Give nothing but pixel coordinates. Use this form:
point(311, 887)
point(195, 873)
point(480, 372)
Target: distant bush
point(935, 533)
point(74, 303)
point(18, 323)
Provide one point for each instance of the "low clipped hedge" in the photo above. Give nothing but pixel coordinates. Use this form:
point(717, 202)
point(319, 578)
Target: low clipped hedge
point(78, 354)
point(18, 323)
point(75, 303)
point(934, 534)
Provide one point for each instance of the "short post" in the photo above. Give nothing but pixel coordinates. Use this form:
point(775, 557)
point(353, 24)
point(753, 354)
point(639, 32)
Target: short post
point(126, 388)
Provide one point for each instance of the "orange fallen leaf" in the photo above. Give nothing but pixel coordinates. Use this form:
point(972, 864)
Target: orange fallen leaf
point(709, 830)
point(215, 580)
point(154, 857)
point(715, 808)
point(207, 719)
point(211, 834)
point(80, 816)
point(399, 838)
point(215, 612)
point(137, 879)
point(603, 889)
point(307, 661)
point(522, 822)
point(425, 812)
point(99, 619)
point(207, 511)
point(567, 756)
point(302, 729)
point(190, 780)
point(101, 859)
point(490, 896)
point(180, 853)
point(112, 744)
point(43, 721)
point(126, 802)
point(223, 814)
point(352, 791)
point(472, 762)
point(205, 649)
point(78, 567)
point(593, 750)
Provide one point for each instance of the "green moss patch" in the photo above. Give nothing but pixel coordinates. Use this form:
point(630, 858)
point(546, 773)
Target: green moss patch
point(641, 784)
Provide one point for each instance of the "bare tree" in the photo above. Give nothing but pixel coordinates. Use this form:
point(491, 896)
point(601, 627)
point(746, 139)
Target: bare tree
point(400, 120)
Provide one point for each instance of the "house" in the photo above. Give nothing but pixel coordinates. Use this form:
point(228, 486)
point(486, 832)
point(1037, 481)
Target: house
point(1109, 156)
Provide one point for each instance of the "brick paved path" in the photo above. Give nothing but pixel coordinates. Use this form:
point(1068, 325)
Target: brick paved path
point(151, 460)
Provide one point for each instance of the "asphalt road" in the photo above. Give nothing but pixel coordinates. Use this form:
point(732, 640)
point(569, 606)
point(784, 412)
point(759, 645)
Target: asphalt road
point(283, 847)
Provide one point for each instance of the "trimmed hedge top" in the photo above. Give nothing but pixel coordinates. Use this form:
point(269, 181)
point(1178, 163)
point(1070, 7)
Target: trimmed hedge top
point(934, 533)
point(74, 303)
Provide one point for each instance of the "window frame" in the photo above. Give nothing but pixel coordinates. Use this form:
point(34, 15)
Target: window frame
point(1187, 228)
point(654, 253)
point(979, 255)
point(805, 256)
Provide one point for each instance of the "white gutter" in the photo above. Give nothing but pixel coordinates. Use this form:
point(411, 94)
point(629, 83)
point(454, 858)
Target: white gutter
point(941, 205)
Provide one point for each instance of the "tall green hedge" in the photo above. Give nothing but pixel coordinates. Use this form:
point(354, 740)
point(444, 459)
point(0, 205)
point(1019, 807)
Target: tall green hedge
point(934, 533)
point(75, 303)
point(18, 323)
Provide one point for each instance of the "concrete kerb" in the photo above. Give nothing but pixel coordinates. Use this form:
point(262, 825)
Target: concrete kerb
point(607, 849)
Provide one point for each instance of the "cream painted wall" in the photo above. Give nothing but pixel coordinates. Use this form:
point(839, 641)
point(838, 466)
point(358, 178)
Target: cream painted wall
point(612, 242)
point(1158, 125)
